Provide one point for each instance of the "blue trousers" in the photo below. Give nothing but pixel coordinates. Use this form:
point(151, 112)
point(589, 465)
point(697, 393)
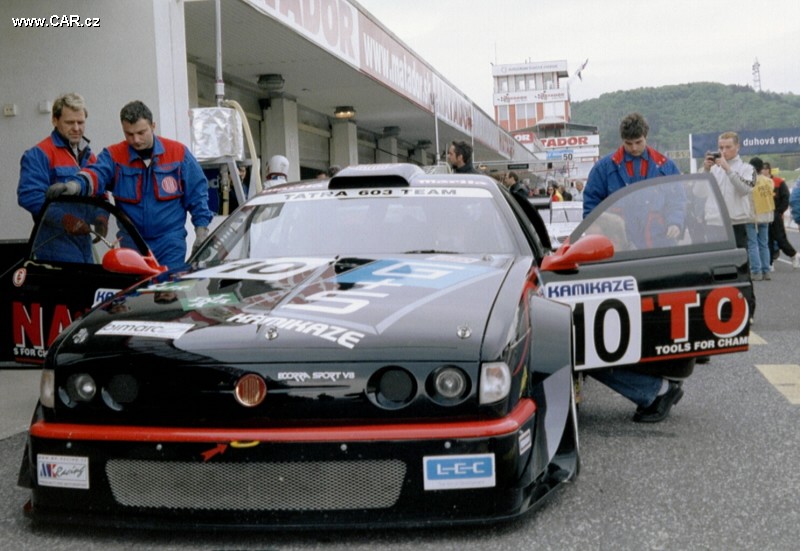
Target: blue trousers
point(639, 388)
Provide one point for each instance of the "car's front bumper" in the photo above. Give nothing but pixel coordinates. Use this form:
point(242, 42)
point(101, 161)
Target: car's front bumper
point(285, 477)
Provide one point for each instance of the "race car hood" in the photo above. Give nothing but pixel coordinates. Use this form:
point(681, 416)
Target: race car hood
point(305, 309)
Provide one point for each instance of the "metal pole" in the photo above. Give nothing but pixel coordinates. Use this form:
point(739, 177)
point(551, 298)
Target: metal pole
point(219, 87)
point(436, 128)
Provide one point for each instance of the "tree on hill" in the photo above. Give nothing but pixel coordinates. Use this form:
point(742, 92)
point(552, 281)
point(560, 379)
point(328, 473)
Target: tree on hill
point(674, 112)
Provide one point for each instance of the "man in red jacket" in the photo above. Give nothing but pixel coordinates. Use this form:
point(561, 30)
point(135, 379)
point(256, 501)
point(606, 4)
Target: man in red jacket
point(57, 159)
point(155, 181)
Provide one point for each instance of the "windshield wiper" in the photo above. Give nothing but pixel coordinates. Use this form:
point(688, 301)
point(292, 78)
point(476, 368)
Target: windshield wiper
point(430, 251)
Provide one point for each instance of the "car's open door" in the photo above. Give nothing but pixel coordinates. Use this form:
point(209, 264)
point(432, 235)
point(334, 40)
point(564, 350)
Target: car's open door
point(676, 286)
point(62, 275)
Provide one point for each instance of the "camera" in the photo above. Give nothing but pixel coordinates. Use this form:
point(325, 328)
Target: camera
point(714, 155)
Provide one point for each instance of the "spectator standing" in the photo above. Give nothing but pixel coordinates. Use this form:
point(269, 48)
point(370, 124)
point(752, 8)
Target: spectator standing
point(777, 230)
point(511, 181)
point(56, 160)
point(577, 194)
point(459, 157)
point(634, 161)
point(566, 195)
point(552, 191)
point(758, 232)
point(155, 181)
point(735, 179)
point(794, 202)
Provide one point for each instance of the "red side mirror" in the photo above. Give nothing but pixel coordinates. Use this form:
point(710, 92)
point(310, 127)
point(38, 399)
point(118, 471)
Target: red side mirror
point(128, 261)
point(587, 249)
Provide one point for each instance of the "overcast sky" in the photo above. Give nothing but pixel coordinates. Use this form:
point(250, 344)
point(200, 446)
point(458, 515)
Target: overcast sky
point(629, 44)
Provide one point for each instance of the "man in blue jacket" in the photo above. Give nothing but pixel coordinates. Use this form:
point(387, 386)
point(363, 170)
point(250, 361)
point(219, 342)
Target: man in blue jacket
point(155, 181)
point(64, 234)
point(632, 162)
point(794, 202)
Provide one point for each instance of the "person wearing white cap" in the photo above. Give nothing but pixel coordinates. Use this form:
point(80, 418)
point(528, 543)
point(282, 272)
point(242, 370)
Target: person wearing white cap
point(277, 170)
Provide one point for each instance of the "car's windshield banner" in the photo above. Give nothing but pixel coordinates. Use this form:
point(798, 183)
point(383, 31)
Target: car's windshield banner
point(462, 192)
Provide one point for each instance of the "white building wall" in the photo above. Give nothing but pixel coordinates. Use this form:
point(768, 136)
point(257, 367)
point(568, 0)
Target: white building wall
point(137, 52)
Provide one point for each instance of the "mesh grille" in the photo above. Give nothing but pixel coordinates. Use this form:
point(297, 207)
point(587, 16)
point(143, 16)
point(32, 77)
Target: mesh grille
point(300, 486)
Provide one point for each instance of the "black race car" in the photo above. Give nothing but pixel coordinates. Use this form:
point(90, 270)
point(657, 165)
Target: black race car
point(384, 347)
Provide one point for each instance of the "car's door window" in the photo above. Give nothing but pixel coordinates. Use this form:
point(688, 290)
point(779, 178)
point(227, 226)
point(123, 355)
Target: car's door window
point(664, 216)
point(75, 232)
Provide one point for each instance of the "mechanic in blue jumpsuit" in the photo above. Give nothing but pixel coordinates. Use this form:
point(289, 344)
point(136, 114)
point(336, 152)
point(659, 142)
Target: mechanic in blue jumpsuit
point(652, 226)
point(64, 234)
point(155, 181)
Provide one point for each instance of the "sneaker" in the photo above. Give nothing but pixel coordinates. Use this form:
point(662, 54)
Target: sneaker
point(766, 276)
point(796, 261)
point(755, 277)
point(772, 267)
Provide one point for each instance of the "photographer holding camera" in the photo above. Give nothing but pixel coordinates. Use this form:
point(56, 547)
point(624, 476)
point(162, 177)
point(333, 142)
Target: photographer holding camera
point(736, 179)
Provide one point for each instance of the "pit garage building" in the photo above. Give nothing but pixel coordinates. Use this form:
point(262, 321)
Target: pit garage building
point(290, 64)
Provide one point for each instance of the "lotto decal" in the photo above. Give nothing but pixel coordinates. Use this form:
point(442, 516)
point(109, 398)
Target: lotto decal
point(35, 327)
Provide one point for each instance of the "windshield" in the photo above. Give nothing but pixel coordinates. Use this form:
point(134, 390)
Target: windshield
point(363, 221)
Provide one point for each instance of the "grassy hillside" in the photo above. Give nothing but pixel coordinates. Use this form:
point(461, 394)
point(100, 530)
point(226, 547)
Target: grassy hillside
point(674, 112)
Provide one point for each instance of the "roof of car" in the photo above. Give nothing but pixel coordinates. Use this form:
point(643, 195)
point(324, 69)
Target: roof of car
point(401, 174)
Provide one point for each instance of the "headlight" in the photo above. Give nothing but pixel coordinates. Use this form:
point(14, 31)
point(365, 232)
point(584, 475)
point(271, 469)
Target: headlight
point(450, 383)
point(495, 382)
point(392, 387)
point(47, 388)
point(81, 387)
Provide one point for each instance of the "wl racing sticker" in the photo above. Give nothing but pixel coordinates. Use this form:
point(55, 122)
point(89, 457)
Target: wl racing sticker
point(154, 329)
point(615, 325)
point(62, 471)
point(458, 472)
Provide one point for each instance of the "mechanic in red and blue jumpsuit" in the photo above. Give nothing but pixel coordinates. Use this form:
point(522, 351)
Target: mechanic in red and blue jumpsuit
point(635, 161)
point(155, 181)
point(64, 234)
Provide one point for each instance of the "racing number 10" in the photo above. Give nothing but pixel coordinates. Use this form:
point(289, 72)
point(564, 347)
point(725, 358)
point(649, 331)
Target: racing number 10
point(607, 331)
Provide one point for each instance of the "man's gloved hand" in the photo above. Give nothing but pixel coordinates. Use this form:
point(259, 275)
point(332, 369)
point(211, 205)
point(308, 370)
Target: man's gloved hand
point(101, 225)
point(200, 234)
point(63, 188)
point(74, 225)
